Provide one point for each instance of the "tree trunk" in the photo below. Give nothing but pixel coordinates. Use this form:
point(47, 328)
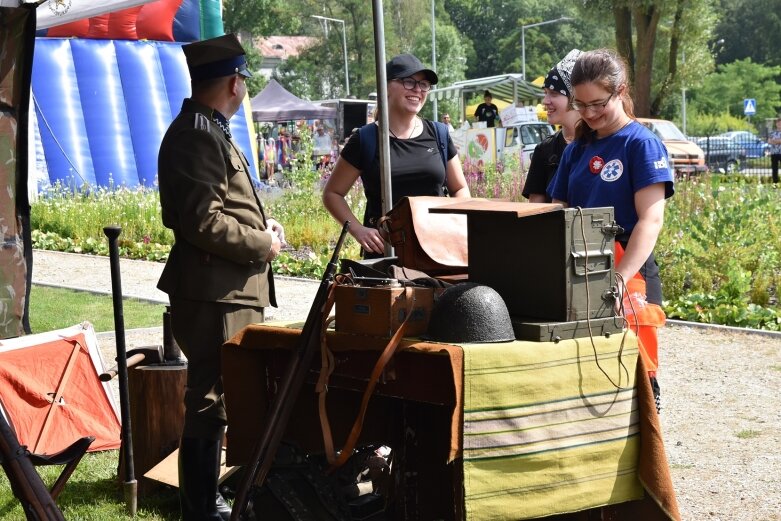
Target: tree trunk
point(672, 63)
point(646, 22)
point(156, 417)
point(623, 18)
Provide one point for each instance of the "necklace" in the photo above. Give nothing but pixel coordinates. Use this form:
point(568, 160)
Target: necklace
point(414, 128)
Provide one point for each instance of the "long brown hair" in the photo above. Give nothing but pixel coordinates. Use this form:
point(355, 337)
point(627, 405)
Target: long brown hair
point(608, 69)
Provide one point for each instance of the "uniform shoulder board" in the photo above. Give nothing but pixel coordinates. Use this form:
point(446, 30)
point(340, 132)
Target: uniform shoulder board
point(201, 122)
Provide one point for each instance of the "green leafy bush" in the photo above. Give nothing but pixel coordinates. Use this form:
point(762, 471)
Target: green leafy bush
point(719, 251)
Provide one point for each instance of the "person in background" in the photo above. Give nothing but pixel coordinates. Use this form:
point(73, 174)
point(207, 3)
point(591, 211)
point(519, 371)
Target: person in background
point(218, 274)
point(487, 111)
point(546, 156)
point(446, 121)
point(321, 142)
point(616, 161)
point(417, 167)
point(271, 155)
point(775, 149)
point(284, 144)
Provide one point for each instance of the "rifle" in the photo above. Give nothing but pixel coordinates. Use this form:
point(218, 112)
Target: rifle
point(26, 484)
point(292, 381)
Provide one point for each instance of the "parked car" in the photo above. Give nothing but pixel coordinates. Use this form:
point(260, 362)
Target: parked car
point(521, 138)
point(748, 141)
point(722, 154)
point(686, 157)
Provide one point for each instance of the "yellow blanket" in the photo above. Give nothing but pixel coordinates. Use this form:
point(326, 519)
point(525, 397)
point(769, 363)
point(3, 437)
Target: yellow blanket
point(548, 429)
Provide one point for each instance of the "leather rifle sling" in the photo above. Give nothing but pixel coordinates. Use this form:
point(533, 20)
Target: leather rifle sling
point(379, 366)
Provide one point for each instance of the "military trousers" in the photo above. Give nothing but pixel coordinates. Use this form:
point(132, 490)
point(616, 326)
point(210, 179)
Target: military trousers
point(200, 329)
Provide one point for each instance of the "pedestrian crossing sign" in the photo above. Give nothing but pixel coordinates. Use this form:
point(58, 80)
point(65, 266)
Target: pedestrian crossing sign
point(749, 106)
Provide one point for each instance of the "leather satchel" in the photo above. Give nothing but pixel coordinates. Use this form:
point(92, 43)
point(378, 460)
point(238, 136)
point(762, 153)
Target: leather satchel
point(434, 243)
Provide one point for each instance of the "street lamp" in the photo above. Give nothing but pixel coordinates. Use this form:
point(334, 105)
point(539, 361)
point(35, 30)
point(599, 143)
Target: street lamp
point(344, 46)
point(523, 38)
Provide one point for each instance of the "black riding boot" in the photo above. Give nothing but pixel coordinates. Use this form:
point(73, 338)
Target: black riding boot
point(198, 464)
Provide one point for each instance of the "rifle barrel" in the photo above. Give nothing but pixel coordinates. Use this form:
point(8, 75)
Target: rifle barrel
point(292, 381)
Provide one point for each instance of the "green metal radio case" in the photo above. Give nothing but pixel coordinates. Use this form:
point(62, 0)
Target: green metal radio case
point(548, 263)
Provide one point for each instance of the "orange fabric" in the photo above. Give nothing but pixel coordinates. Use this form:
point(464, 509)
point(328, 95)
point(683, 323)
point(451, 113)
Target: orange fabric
point(122, 24)
point(98, 27)
point(37, 381)
point(156, 20)
point(643, 320)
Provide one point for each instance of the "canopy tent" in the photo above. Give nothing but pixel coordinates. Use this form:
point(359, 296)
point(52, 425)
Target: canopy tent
point(507, 87)
point(274, 103)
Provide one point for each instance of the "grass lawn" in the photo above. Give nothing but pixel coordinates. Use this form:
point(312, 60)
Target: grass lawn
point(93, 493)
point(57, 308)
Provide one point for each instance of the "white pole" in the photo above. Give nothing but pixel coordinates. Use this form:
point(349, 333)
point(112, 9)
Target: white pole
point(346, 72)
point(344, 46)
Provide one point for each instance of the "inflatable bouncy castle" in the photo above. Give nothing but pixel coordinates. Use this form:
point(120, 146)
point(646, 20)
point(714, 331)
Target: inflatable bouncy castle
point(104, 90)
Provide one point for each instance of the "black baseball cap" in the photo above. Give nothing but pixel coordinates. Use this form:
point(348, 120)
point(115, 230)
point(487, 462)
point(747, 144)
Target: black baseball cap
point(216, 57)
point(405, 65)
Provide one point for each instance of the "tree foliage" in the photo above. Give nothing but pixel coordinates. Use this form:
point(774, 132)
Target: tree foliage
point(750, 29)
point(725, 90)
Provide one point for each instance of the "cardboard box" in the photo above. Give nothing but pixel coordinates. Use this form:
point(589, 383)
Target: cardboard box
point(379, 311)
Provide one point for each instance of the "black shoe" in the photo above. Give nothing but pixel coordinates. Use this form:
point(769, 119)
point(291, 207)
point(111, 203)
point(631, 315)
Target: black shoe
point(198, 460)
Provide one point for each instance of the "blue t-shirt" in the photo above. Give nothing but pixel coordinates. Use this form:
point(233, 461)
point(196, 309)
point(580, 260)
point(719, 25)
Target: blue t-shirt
point(608, 172)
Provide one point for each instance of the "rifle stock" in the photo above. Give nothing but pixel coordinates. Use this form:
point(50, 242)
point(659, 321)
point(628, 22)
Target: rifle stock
point(26, 484)
point(292, 381)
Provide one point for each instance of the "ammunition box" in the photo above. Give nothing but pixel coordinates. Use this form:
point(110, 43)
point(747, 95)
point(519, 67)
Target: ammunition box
point(379, 311)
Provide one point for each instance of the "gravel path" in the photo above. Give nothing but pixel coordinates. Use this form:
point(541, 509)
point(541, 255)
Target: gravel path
point(721, 413)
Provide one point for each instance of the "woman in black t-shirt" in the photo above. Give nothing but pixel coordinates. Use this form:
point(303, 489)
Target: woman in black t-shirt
point(416, 161)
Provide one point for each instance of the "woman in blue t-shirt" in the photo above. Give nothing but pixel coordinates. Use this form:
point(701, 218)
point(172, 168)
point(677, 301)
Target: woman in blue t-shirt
point(615, 161)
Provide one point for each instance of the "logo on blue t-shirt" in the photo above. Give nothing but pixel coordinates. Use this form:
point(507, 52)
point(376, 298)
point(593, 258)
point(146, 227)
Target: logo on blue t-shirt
point(612, 170)
point(661, 164)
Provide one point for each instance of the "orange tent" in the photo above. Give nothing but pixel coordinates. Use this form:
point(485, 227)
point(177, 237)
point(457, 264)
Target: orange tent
point(50, 392)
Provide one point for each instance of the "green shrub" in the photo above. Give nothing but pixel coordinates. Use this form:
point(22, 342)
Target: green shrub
point(719, 251)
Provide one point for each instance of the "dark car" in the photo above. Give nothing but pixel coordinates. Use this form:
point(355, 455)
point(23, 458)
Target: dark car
point(754, 146)
point(722, 154)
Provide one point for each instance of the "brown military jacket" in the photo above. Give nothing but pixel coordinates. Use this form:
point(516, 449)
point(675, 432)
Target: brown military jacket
point(208, 200)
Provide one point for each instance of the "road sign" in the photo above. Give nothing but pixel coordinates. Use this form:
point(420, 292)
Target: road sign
point(749, 106)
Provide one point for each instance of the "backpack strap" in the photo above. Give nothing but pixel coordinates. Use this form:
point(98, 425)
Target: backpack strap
point(441, 132)
point(368, 137)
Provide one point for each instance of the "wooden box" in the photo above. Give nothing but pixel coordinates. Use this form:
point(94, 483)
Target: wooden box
point(379, 311)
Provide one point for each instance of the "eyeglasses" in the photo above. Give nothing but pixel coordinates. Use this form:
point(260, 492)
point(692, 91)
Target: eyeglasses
point(599, 106)
point(409, 84)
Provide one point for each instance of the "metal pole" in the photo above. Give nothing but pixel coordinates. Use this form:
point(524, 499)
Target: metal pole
point(346, 72)
point(683, 95)
point(523, 38)
point(382, 100)
point(344, 45)
point(130, 486)
point(523, 52)
point(434, 56)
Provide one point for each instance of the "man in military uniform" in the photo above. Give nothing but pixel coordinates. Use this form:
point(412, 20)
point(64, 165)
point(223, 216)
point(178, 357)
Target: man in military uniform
point(218, 275)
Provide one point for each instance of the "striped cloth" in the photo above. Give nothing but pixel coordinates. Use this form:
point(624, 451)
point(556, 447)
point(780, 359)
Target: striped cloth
point(545, 430)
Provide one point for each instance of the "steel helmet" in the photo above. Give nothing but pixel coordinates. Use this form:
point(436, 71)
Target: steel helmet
point(469, 312)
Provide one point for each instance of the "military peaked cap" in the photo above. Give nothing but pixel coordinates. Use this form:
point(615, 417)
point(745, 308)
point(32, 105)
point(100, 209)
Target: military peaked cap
point(215, 58)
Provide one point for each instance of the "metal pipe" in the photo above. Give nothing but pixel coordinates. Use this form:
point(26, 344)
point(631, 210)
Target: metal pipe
point(130, 485)
point(434, 106)
point(382, 100)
